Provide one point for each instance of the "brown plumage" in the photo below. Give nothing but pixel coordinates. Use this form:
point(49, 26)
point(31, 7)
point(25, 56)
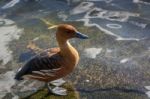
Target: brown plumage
point(54, 63)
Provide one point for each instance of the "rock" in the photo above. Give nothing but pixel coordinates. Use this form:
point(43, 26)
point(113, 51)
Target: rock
point(42, 94)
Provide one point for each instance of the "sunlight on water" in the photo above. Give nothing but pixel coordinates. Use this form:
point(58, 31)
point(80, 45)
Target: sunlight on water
point(6, 82)
point(124, 60)
point(92, 52)
point(10, 4)
point(114, 26)
point(148, 92)
point(9, 31)
point(81, 8)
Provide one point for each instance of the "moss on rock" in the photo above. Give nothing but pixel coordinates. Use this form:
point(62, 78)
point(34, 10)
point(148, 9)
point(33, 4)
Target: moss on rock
point(42, 94)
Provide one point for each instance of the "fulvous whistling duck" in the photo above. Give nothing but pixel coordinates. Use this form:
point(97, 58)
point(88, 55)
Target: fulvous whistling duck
point(54, 63)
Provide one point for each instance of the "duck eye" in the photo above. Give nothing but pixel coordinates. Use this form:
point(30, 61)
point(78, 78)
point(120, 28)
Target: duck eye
point(68, 32)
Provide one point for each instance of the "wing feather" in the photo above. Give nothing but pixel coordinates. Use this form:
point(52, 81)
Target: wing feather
point(41, 65)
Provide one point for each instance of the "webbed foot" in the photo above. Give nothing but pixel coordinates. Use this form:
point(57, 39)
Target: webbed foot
point(58, 82)
point(56, 91)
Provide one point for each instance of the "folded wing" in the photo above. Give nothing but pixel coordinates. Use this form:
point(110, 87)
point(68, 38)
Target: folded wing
point(40, 66)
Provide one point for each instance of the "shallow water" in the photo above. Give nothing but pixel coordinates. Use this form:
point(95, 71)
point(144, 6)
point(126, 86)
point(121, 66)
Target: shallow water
point(114, 61)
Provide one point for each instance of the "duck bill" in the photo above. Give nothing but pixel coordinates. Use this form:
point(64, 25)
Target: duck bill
point(81, 36)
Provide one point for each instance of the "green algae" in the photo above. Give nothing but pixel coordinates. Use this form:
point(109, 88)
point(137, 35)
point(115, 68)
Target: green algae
point(42, 94)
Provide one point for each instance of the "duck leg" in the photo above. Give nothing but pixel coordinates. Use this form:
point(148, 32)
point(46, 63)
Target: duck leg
point(49, 88)
point(56, 90)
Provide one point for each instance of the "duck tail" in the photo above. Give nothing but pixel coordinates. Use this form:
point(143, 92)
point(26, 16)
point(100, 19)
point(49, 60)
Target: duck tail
point(18, 76)
point(21, 72)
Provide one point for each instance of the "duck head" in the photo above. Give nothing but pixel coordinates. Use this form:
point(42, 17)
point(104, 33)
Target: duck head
point(65, 32)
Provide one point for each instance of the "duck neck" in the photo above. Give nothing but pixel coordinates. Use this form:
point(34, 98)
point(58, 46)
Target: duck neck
point(65, 46)
point(69, 53)
point(66, 49)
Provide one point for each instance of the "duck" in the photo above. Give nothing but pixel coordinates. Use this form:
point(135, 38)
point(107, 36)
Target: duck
point(54, 63)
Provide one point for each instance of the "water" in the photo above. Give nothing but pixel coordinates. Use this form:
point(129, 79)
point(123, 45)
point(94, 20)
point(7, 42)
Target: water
point(114, 61)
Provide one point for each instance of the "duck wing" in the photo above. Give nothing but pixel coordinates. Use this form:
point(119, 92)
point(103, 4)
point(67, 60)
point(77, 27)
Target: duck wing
point(42, 65)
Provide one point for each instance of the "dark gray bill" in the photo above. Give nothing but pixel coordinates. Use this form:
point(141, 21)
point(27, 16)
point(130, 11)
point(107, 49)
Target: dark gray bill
point(81, 36)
